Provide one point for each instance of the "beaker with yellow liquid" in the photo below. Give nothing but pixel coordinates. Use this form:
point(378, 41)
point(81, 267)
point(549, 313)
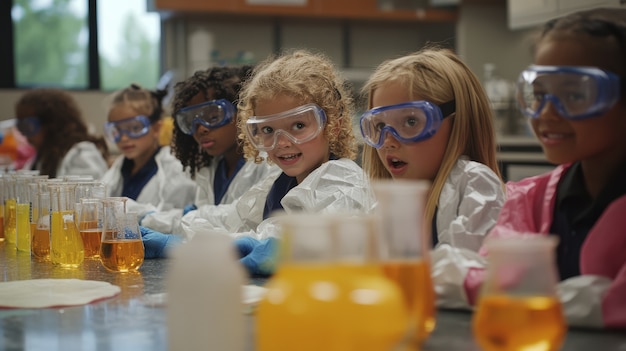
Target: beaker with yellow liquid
point(518, 308)
point(40, 243)
point(66, 245)
point(10, 213)
point(328, 293)
point(405, 246)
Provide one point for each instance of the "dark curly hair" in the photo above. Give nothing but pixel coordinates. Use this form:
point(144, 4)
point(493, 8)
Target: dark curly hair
point(214, 83)
point(62, 125)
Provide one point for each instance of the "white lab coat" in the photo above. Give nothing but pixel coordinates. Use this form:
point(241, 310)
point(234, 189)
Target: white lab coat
point(250, 174)
point(169, 188)
point(83, 158)
point(335, 186)
point(469, 204)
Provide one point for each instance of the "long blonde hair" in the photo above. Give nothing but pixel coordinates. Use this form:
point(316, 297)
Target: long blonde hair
point(438, 75)
point(310, 78)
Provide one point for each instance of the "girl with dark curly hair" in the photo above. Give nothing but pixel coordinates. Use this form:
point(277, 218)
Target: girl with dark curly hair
point(52, 123)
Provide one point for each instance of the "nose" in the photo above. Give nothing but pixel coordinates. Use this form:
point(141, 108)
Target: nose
point(389, 141)
point(282, 140)
point(549, 111)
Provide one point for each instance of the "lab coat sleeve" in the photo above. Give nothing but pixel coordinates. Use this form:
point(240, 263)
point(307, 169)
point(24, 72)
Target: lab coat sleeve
point(113, 178)
point(469, 205)
point(174, 187)
point(84, 158)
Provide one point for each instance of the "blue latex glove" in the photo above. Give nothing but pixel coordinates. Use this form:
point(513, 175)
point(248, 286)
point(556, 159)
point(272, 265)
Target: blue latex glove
point(157, 245)
point(258, 256)
point(189, 208)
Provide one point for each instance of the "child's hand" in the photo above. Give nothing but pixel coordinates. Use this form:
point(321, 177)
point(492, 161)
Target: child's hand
point(157, 245)
point(258, 256)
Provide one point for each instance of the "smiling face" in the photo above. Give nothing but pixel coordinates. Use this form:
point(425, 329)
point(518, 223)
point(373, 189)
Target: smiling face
point(214, 141)
point(296, 160)
point(597, 139)
point(420, 160)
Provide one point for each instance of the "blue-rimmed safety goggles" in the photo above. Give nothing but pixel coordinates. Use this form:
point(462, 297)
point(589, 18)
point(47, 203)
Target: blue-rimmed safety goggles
point(575, 92)
point(28, 126)
point(211, 114)
point(408, 122)
point(134, 127)
point(300, 124)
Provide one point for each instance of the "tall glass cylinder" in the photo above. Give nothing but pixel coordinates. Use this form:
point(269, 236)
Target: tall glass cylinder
point(2, 199)
point(405, 245)
point(90, 220)
point(66, 245)
point(324, 284)
point(22, 209)
point(10, 214)
point(40, 244)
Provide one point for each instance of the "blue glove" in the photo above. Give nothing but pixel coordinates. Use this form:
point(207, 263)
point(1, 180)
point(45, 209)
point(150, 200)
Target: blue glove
point(258, 256)
point(157, 245)
point(189, 208)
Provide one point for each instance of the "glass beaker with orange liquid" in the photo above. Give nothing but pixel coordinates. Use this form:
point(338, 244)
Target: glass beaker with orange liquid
point(66, 245)
point(40, 243)
point(518, 308)
point(90, 225)
point(326, 295)
point(405, 247)
point(121, 249)
point(10, 213)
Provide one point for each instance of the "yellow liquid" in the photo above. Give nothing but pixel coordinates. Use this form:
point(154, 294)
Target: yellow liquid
point(1, 222)
point(66, 245)
point(92, 236)
point(324, 307)
point(23, 227)
point(122, 255)
point(10, 222)
point(503, 323)
point(40, 244)
point(413, 278)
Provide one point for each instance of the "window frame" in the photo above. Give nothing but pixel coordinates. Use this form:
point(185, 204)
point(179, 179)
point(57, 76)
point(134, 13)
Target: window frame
point(7, 47)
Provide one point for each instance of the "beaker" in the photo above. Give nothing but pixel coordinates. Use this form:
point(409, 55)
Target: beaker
point(66, 245)
point(90, 225)
point(405, 246)
point(518, 308)
point(122, 248)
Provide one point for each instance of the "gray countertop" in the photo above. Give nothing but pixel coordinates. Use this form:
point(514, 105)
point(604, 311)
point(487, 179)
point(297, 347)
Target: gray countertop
point(134, 320)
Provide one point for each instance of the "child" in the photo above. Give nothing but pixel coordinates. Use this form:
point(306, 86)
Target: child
point(430, 119)
point(575, 95)
point(297, 110)
point(145, 172)
point(52, 123)
point(205, 142)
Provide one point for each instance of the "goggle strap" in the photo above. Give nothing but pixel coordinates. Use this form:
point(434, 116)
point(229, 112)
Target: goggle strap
point(447, 108)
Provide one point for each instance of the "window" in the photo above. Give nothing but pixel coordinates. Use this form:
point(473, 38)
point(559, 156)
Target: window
point(53, 43)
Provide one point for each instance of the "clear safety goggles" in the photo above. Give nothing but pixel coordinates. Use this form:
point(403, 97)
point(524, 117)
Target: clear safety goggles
point(299, 125)
point(211, 114)
point(28, 126)
point(408, 122)
point(134, 127)
point(575, 92)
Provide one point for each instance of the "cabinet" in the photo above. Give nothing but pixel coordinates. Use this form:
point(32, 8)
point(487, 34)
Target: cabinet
point(528, 13)
point(341, 9)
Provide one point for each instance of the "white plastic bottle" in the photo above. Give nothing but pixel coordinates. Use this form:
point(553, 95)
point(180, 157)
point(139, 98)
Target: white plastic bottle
point(204, 304)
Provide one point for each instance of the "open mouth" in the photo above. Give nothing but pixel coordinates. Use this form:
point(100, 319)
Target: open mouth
point(289, 157)
point(396, 163)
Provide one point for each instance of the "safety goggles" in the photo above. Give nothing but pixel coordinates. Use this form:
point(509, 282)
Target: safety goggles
point(299, 125)
point(134, 127)
point(408, 122)
point(211, 114)
point(575, 92)
point(28, 126)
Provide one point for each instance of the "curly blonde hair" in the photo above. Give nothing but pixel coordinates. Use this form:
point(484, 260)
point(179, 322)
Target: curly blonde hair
point(310, 78)
point(438, 75)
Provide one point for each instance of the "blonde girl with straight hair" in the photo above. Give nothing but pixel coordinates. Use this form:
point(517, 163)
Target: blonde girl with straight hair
point(429, 118)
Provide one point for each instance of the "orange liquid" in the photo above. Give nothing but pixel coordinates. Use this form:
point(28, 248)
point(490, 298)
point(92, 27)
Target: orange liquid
point(1, 222)
point(414, 280)
point(40, 244)
point(66, 245)
point(121, 255)
point(92, 237)
point(10, 223)
point(23, 227)
point(503, 323)
point(324, 307)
